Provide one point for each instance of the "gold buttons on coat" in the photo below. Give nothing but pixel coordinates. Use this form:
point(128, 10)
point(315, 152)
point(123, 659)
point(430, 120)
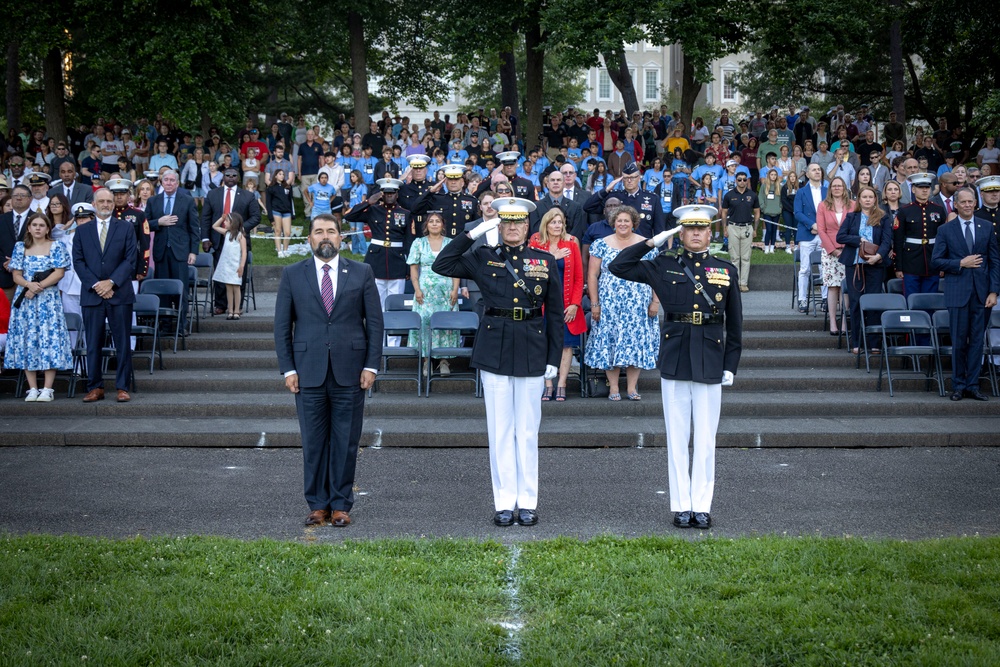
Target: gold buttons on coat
point(696, 306)
point(515, 299)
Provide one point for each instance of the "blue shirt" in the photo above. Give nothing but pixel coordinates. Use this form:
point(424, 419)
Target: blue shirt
point(321, 196)
point(651, 179)
point(366, 165)
point(310, 156)
point(457, 157)
point(358, 194)
point(716, 171)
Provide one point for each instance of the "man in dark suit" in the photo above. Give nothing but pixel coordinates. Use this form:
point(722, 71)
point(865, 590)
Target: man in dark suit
point(576, 219)
point(967, 252)
point(104, 254)
point(75, 192)
point(328, 337)
point(230, 198)
point(13, 227)
point(174, 219)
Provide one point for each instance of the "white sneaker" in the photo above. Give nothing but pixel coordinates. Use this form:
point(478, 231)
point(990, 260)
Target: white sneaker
point(45, 396)
point(788, 250)
point(444, 368)
point(32, 396)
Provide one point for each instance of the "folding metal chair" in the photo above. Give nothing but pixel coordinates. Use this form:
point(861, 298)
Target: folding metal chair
point(929, 303)
point(249, 292)
point(894, 286)
point(399, 302)
point(167, 289)
point(872, 306)
point(204, 263)
point(147, 316)
point(465, 323)
point(400, 323)
point(901, 327)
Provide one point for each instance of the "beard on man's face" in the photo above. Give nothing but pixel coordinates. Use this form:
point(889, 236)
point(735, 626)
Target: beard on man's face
point(326, 250)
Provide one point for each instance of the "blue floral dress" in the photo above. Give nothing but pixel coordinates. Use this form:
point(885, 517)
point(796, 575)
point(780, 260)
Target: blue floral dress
point(37, 339)
point(625, 335)
point(437, 294)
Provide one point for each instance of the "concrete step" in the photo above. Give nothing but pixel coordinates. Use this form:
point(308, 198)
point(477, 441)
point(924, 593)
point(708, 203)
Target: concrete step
point(787, 406)
point(555, 431)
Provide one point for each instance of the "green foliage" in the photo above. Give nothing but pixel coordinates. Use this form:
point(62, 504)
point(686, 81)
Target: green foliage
point(564, 83)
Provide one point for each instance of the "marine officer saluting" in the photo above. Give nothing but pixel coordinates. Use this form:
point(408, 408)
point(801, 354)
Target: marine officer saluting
point(391, 239)
point(515, 348)
point(913, 236)
point(652, 219)
point(521, 186)
point(699, 351)
point(415, 184)
point(457, 207)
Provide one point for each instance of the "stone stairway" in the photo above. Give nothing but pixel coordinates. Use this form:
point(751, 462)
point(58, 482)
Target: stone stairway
point(794, 389)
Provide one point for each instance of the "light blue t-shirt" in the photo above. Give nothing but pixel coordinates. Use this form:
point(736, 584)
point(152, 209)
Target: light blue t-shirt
point(321, 196)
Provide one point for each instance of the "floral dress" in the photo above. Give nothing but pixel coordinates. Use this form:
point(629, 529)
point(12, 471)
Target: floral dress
point(625, 335)
point(437, 294)
point(37, 339)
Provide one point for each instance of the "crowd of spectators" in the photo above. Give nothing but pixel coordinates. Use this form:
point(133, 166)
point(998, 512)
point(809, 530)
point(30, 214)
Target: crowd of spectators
point(808, 173)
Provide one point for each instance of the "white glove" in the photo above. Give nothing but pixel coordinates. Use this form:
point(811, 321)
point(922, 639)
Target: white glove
point(661, 238)
point(727, 378)
point(551, 372)
point(483, 227)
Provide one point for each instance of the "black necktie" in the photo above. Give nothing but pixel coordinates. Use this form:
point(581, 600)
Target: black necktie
point(17, 224)
point(968, 235)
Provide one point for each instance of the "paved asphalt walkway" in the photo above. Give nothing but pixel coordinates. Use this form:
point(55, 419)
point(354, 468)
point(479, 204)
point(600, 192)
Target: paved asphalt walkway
point(906, 493)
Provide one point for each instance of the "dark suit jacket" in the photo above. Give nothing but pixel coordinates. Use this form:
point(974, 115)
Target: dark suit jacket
point(8, 239)
point(961, 284)
point(309, 341)
point(850, 235)
point(244, 203)
point(117, 262)
point(183, 238)
point(79, 194)
point(576, 218)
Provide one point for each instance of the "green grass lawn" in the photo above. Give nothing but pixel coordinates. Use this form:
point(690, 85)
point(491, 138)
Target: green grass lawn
point(765, 601)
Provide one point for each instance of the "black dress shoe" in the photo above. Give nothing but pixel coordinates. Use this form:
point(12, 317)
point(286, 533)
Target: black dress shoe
point(504, 518)
point(682, 519)
point(527, 517)
point(701, 520)
point(976, 395)
point(957, 396)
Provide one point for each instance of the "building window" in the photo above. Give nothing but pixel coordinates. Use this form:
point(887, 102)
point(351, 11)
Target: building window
point(632, 47)
point(651, 89)
point(603, 86)
point(729, 93)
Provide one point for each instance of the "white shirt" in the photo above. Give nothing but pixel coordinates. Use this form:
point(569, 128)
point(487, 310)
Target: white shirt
point(39, 205)
point(334, 275)
point(817, 193)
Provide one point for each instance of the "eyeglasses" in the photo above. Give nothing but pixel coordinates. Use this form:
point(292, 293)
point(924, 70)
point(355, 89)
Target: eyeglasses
point(740, 180)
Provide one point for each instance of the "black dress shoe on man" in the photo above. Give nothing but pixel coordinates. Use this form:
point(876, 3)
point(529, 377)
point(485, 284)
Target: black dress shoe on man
point(504, 518)
point(682, 519)
point(701, 520)
point(527, 517)
point(975, 395)
point(957, 396)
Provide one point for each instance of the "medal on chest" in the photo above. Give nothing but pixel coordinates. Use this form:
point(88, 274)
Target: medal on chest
point(717, 277)
point(537, 269)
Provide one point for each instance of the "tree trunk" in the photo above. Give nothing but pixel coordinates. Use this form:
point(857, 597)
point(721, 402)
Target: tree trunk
point(896, 64)
point(690, 89)
point(620, 75)
point(359, 69)
point(206, 126)
point(533, 77)
point(271, 113)
point(55, 95)
point(508, 83)
point(14, 86)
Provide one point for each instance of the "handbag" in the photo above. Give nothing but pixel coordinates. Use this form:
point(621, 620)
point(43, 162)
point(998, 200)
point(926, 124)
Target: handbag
point(38, 277)
point(867, 250)
point(598, 387)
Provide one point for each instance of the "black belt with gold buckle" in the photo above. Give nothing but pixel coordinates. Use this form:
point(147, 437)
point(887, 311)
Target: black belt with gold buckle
point(693, 318)
point(516, 314)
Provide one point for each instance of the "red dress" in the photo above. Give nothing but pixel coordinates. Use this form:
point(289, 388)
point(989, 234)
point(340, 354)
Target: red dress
point(572, 281)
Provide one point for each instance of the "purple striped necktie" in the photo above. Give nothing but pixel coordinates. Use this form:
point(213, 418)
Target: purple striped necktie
point(327, 289)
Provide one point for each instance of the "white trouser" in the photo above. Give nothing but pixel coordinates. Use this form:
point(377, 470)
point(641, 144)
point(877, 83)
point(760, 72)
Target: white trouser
point(806, 249)
point(71, 304)
point(513, 414)
point(684, 402)
point(385, 288)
